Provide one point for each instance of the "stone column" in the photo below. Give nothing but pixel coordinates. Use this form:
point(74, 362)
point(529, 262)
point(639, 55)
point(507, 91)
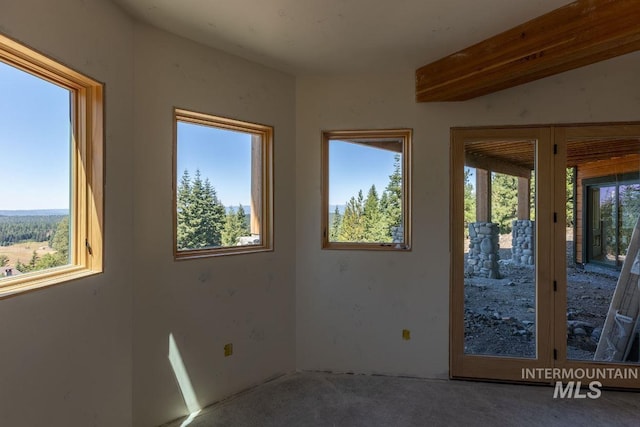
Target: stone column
point(484, 245)
point(523, 242)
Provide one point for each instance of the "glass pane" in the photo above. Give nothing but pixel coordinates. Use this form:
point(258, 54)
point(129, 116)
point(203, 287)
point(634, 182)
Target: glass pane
point(215, 177)
point(500, 239)
point(35, 131)
point(603, 207)
point(629, 207)
point(366, 191)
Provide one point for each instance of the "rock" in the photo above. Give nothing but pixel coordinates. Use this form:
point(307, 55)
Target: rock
point(485, 246)
point(580, 332)
point(579, 324)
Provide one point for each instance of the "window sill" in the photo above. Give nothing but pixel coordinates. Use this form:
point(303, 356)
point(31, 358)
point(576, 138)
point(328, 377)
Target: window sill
point(395, 247)
point(33, 281)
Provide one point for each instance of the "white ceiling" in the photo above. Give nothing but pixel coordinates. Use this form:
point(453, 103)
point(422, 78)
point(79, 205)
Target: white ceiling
point(304, 37)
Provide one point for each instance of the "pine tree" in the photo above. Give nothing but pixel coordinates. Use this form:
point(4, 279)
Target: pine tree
point(375, 224)
point(336, 224)
point(200, 214)
point(352, 229)
point(184, 222)
point(469, 201)
point(33, 261)
point(392, 203)
point(213, 215)
point(504, 200)
point(60, 240)
point(243, 221)
point(236, 226)
point(570, 201)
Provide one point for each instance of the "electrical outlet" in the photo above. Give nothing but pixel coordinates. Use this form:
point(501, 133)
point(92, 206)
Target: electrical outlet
point(406, 334)
point(228, 350)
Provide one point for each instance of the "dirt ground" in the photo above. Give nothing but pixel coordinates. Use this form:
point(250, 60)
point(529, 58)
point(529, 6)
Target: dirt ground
point(500, 313)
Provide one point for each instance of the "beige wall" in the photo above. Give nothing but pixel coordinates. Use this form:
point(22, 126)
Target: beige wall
point(247, 300)
point(352, 305)
point(65, 351)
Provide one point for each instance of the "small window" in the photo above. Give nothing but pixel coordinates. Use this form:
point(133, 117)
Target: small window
point(366, 198)
point(222, 186)
point(51, 145)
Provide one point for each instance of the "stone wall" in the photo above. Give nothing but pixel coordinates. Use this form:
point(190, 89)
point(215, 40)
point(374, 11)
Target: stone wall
point(483, 250)
point(523, 239)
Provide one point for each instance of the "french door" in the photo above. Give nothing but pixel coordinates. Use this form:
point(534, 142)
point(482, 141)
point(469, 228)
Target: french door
point(527, 222)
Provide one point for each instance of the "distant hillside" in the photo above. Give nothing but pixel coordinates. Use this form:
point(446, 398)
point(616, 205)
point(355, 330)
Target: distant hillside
point(26, 228)
point(35, 212)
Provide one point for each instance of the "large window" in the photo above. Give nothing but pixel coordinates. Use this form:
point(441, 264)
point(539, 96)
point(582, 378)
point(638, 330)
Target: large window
point(222, 181)
point(366, 189)
point(613, 204)
point(51, 140)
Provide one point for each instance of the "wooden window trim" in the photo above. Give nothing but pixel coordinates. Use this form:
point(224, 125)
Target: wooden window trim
point(405, 136)
point(262, 192)
point(87, 169)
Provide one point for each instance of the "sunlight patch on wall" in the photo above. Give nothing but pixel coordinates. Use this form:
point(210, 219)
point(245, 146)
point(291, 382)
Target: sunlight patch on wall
point(180, 371)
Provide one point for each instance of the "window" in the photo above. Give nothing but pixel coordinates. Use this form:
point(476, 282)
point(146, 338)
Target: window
point(222, 186)
point(51, 145)
point(366, 198)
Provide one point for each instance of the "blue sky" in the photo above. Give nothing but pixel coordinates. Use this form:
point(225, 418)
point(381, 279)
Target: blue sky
point(35, 145)
point(34, 142)
point(223, 156)
point(354, 167)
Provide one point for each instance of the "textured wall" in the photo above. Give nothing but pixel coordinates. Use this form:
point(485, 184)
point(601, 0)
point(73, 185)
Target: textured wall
point(247, 300)
point(66, 350)
point(352, 305)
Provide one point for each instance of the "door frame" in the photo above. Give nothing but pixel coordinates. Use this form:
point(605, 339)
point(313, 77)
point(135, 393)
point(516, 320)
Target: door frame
point(561, 135)
point(551, 301)
point(491, 367)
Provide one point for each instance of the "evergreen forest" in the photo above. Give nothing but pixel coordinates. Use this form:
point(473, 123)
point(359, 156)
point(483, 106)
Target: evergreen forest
point(203, 221)
point(370, 219)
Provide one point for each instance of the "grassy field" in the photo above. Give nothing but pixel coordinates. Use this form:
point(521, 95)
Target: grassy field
point(24, 251)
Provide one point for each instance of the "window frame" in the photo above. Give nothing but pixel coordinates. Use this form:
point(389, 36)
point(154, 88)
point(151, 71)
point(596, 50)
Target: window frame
point(265, 133)
point(86, 207)
point(405, 136)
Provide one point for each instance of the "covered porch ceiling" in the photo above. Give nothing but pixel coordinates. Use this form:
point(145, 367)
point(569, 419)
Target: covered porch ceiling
point(517, 158)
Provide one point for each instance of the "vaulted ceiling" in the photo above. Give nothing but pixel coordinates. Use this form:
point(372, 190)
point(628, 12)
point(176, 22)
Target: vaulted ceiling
point(304, 37)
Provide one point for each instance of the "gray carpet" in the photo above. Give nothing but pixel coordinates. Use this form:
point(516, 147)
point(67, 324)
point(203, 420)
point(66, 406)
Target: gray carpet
point(324, 399)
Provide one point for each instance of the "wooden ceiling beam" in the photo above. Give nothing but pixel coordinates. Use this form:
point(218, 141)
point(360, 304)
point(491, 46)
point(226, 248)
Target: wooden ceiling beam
point(578, 34)
point(496, 165)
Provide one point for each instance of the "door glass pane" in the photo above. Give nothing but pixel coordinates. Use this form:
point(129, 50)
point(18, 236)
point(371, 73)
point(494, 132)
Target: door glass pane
point(500, 258)
point(603, 268)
